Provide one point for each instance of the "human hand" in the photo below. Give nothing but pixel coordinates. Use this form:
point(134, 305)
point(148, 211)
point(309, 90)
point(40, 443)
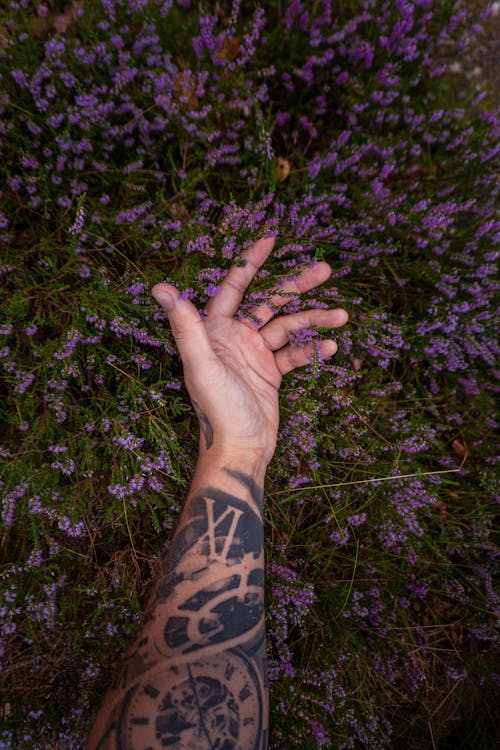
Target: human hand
point(233, 368)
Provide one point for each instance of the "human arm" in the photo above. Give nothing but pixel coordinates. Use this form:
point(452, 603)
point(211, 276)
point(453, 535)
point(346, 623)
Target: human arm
point(196, 671)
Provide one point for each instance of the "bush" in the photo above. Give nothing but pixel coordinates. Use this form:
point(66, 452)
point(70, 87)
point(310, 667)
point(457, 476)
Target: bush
point(143, 140)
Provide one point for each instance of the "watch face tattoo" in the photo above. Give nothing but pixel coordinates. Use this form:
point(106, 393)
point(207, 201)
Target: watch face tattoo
point(196, 678)
point(224, 538)
point(214, 703)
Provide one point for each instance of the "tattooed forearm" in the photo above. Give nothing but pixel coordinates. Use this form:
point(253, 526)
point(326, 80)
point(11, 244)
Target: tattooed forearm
point(196, 676)
point(205, 426)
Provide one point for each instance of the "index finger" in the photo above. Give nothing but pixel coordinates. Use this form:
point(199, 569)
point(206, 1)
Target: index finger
point(238, 278)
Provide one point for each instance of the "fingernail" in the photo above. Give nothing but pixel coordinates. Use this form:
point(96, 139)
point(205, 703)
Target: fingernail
point(164, 299)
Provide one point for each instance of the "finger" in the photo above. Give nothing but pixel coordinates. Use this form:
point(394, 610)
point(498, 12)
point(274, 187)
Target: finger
point(187, 326)
point(291, 357)
point(232, 289)
point(277, 333)
point(309, 278)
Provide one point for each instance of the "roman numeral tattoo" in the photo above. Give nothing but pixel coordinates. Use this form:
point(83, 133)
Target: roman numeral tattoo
point(215, 552)
point(196, 677)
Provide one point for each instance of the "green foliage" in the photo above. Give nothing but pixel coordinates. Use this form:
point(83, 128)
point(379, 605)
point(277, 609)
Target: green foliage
point(380, 499)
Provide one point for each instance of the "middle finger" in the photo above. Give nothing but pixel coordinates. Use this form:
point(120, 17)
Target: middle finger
point(310, 277)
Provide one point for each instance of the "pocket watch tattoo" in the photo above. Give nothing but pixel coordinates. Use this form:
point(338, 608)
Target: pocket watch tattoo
point(216, 703)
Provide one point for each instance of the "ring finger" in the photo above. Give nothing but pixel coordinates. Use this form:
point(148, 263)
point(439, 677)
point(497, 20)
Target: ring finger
point(276, 334)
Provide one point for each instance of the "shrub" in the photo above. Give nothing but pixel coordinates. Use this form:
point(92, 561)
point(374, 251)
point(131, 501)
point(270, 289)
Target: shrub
point(147, 139)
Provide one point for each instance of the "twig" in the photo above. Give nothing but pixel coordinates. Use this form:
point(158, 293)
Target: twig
point(373, 480)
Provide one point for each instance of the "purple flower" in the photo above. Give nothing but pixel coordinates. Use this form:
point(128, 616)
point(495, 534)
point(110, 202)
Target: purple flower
point(19, 77)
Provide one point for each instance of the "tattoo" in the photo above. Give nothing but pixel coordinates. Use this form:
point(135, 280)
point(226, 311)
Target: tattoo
point(197, 676)
point(213, 703)
point(255, 490)
point(222, 542)
point(205, 425)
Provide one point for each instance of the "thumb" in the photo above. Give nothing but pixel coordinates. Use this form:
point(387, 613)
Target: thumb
point(187, 326)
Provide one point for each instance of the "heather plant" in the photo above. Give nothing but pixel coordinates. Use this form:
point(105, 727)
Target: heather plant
point(144, 140)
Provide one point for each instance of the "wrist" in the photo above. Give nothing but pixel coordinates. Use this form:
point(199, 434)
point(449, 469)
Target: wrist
point(251, 461)
point(222, 456)
point(255, 455)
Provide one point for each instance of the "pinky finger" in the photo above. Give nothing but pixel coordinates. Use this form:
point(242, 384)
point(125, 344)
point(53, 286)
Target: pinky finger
point(290, 357)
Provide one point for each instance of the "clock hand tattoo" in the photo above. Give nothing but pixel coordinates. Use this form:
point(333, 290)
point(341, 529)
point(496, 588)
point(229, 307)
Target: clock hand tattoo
point(214, 703)
point(196, 679)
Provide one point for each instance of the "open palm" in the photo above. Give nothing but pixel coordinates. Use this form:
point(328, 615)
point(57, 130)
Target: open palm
point(233, 368)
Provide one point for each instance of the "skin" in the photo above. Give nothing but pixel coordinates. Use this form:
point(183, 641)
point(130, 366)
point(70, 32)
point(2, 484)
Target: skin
point(195, 676)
